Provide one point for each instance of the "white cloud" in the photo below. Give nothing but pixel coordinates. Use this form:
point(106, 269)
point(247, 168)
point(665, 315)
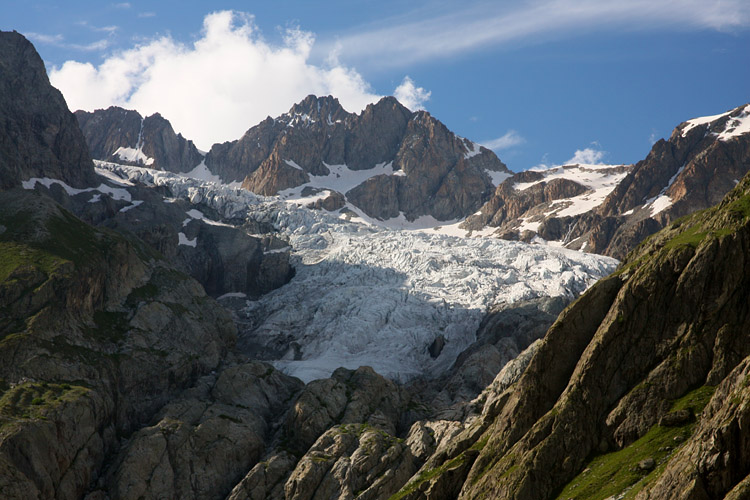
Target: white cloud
point(410, 95)
point(146, 14)
point(589, 156)
point(212, 91)
point(482, 24)
point(122, 5)
point(510, 139)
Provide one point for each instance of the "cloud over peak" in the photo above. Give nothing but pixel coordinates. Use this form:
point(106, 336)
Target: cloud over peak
point(229, 79)
point(410, 95)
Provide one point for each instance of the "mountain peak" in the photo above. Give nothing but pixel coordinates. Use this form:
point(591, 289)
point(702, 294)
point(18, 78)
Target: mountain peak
point(314, 108)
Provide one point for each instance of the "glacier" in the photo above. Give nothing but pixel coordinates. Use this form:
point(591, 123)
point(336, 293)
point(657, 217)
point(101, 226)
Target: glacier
point(370, 295)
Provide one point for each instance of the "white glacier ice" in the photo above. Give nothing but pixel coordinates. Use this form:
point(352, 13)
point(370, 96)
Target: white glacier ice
point(368, 295)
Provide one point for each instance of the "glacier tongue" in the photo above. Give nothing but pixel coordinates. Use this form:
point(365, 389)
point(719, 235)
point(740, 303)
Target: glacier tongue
point(367, 295)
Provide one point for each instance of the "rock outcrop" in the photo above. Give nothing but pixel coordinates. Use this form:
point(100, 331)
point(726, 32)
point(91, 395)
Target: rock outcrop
point(124, 136)
point(545, 203)
point(40, 137)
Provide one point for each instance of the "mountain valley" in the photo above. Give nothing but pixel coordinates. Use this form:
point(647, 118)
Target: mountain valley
point(367, 306)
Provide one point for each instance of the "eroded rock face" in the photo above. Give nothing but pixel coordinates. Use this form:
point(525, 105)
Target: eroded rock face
point(124, 136)
point(507, 204)
point(40, 136)
point(207, 439)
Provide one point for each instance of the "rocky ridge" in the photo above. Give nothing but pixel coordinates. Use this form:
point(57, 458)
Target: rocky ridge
point(610, 209)
point(545, 203)
point(384, 163)
point(702, 160)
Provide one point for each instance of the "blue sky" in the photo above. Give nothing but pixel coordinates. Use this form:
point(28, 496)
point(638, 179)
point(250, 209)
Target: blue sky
point(537, 80)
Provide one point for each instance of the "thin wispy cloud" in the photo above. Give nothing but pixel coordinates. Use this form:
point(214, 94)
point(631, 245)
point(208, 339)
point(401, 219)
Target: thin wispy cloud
point(508, 140)
point(59, 41)
point(46, 39)
point(100, 29)
point(495, 24)
point(146, 14)
point(97, 45)
point(122, 5)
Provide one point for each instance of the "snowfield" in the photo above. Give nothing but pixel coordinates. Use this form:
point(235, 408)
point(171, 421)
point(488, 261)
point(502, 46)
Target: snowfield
point(369, 295)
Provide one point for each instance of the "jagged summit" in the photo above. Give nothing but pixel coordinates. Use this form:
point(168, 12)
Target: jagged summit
point(326, 110)
point(385, 163)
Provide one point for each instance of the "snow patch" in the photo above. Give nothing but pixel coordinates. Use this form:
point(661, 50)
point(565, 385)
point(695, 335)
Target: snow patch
point(197, 214)
point(183, 240)
point(527, 225)
point(115, 193)
point(498, 177)
point(292, 164)
point(131, 206)
point(704, 120)
point(340, 178)
point(658, 203)
point(202, 173)
point(133, 155)
point(737, 126)
point(473, 149)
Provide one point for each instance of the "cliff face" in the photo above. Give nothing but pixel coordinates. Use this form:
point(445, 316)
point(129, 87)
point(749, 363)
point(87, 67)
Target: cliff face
point(614, 390)
point(124, 136)
point(96, 336)
point(40, 137)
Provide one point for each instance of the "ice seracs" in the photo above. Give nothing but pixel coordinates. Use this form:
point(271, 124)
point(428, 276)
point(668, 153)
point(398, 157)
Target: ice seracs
point(369, 295)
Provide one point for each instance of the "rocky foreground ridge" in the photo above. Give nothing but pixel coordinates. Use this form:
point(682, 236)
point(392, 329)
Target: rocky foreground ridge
point(638, 389)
